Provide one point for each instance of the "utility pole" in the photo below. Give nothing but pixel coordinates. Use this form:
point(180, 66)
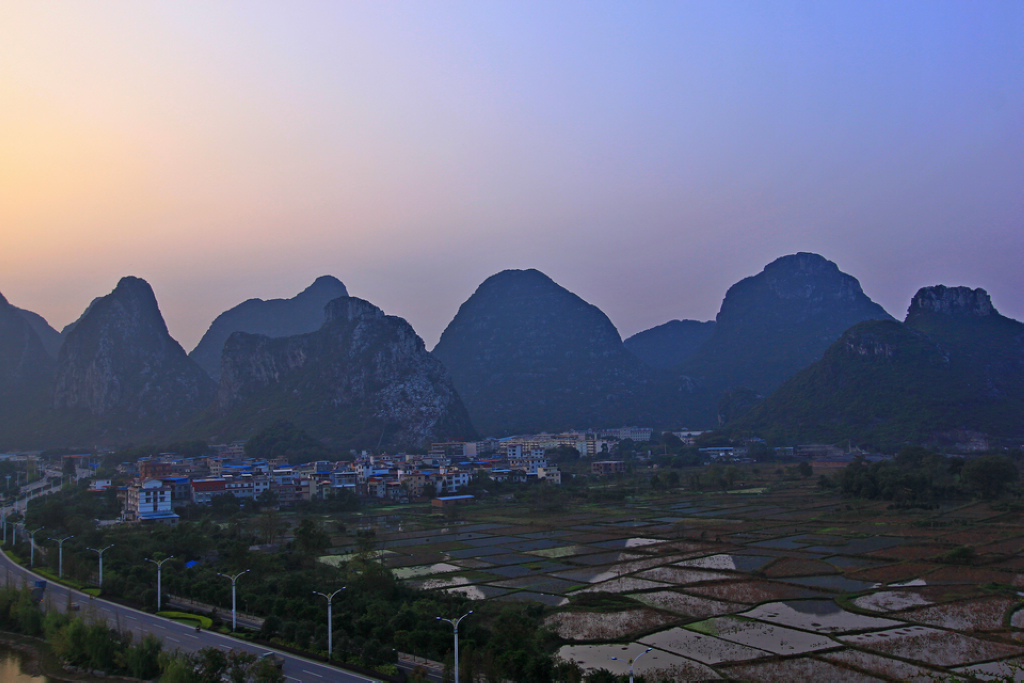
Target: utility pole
point(159, 568)
point(330, 620)
point(100, 553)
point(234, 580)
point(32, 553)
point(60, 543)
point(455, 627)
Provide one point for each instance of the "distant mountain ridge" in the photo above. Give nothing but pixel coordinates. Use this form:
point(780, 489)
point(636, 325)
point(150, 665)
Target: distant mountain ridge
point(26, 374)
point(49, 337)
point(363, 380)
point(274, 318)
point(954, 364)
point(670, 345)
point(120, 374)
point(776, 322)
point(528, 355)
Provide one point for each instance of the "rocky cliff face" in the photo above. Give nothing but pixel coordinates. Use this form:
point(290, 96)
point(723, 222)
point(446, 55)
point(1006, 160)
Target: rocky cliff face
point(274, 318)
point(956, 364)
point(951, 301)
point(26, 375)
point(670, 345)
point(778, 321)
point(49, 337)
point(363, 380)
point(121, 370)
point(528, 355)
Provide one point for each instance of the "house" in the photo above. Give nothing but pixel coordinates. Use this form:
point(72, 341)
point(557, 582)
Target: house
point(181, 489)
point(149, 501)
point(443, 502)
point(204, 490)
point(551, 475)
point(605, 467)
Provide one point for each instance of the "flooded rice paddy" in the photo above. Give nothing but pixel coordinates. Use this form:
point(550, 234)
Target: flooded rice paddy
point(784, 585)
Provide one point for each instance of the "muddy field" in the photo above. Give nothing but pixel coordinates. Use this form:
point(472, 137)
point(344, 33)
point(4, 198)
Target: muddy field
point(787, 583)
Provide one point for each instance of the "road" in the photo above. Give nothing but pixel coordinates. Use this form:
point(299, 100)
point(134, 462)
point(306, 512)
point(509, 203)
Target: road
point(174, 635)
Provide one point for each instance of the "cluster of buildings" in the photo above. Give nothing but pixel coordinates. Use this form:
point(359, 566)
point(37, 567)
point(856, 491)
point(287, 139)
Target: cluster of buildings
point(587, 443)
point(162, 483)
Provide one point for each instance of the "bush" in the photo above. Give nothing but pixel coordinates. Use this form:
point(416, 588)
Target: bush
point(964, 555)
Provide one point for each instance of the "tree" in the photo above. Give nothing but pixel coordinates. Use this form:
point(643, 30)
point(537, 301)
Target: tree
point(284, 439)
point(270, 524)
point(989, 475)
point(142, 660)
point(239, 664)
point(730, 475)
point(310, 538)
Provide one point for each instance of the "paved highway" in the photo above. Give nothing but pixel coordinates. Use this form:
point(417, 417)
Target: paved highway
point(175, 636)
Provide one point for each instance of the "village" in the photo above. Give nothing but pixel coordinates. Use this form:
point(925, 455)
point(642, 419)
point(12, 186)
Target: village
point(159, 484)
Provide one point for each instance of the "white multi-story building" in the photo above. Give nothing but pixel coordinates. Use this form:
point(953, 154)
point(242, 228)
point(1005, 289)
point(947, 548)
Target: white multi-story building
point(149, 501)
point(453, 480)
point(240, 486)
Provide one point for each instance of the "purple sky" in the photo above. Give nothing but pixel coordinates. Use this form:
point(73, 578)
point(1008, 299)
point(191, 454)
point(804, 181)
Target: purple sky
point(645, 155)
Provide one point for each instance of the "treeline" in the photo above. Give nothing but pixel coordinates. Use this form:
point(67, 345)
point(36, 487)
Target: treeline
point(372, 618)
point(919, 476)
point(91, 646)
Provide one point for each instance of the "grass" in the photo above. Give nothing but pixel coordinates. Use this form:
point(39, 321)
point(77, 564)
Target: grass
point(47, 574)
point(707, 627)
point(188, 618)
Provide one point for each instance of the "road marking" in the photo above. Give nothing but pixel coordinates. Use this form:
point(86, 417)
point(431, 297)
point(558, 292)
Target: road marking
point(311, 673)
point(170, 638)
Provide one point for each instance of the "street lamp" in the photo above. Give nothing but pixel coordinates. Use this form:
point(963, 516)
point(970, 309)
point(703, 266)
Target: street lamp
point(455, 628)
point(159, 568)
point(100, 553)
point(32, 554)
point(234, 579)
point(633, 661)
point(330, 622)
point(60, 542)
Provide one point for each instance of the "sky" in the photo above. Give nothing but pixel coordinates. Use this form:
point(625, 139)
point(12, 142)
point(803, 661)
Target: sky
point(644, 155)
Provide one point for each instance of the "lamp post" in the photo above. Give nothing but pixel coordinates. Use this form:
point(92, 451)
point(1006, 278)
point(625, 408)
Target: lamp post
point(100, 553)
point(32, 539)
point(159, 568)
point(330, 621)
point(234, 580)
point(633, 661)
point(455, 628)
point(3, 522)
point(60, 543)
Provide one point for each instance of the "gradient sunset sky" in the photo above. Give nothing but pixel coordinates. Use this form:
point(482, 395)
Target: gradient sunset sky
point(645, 155)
